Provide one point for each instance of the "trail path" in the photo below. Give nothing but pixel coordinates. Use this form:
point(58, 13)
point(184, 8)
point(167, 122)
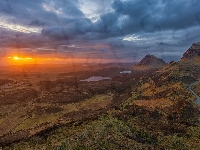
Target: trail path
point(190, 89)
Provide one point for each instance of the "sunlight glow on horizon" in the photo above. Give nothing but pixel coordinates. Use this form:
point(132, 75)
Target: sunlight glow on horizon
point(29, 58)
point(23, 60)
point(17, 59)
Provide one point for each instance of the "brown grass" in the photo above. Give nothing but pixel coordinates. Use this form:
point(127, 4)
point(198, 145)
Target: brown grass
point(153, 103)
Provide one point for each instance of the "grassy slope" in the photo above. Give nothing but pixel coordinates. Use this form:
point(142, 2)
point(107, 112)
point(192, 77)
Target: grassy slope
point(160, 114)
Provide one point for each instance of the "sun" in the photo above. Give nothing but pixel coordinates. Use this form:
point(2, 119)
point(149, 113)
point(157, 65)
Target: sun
point(17, 58)
point(20, 60)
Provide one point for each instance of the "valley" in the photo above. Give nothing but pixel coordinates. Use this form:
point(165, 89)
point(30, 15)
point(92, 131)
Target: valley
point(144, 109)
point(99, 75)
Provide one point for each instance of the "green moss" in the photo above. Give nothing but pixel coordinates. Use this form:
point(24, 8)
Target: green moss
point(174, 142)
point(128, 101)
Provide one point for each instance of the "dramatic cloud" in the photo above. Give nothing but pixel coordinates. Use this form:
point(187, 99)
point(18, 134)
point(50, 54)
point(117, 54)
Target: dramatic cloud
point(115, 29)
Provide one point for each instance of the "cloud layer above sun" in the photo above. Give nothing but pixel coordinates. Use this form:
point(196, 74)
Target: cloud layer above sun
point(120, 30)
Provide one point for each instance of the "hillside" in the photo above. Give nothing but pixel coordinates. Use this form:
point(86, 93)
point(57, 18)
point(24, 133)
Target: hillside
point(149, 110)
point(192, 52)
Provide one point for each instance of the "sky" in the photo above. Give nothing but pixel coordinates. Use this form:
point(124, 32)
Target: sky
point(98, 30)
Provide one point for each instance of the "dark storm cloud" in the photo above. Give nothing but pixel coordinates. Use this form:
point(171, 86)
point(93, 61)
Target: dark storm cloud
point(154, 15)
point(130, 29)
point(37, 22)
point(39, 12)
point(137, 16)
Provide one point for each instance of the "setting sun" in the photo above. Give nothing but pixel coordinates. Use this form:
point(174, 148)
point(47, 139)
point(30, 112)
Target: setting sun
point(17, 58)
point(20, 60)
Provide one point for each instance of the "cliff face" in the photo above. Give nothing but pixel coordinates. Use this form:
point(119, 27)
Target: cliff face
point(150, 62)
point(192, 52)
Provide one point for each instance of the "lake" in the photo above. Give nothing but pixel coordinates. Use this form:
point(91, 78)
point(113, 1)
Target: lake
point(96, 78)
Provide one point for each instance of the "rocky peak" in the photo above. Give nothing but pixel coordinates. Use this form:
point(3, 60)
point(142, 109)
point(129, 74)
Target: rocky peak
point(193, 51)
point(150, 62)
point(151, 59)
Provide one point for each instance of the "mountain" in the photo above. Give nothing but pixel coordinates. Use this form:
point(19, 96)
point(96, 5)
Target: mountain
point(192, 56)
point(193, 51)
point(150, 62)
point(186, 70)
